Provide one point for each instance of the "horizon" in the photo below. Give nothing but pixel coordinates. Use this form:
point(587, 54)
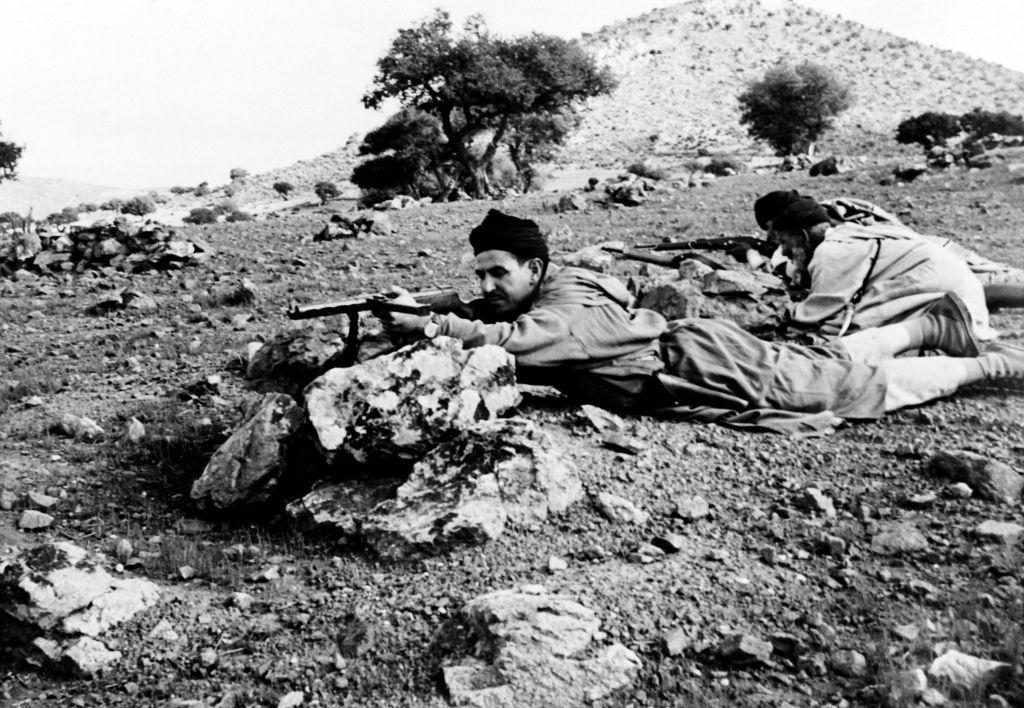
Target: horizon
point(180, 92)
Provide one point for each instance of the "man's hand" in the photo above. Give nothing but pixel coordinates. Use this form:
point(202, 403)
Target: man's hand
point(399, 325)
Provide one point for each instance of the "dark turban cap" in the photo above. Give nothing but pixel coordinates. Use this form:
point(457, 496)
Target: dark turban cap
point(501, 232)
point(801, 213)
point(768, 207)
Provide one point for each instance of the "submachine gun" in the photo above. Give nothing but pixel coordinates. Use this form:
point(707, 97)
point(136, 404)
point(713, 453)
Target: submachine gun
point(739, 247)
point(427, 301)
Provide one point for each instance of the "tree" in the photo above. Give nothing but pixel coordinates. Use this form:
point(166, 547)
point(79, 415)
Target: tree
point(411, 156)
point(479, 86)
point(326, 191)
point(138, 206)
point(9, 156)
point(284, 188)
point(533, 138)
point(928, 129)
point(792, 106)
point(980, 123)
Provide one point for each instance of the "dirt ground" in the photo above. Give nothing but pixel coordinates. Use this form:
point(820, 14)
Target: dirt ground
point(349, 629)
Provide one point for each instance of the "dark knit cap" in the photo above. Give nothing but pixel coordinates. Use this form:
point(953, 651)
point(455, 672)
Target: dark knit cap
point(801, 213)
point(768, 207)
point(502, 232)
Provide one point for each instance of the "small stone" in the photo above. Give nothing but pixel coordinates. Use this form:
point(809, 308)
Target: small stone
point(556, 564)
point(922, 501)
point(965, 672)
point(134, 432)
point(832, 545)
point(910, 631)
point(268, 574)
point(42, 501)
point(849, 663)
point(669, 543)
point(744, 649)
point(123, 550)
point(602, 420)
point(186, 572)
point(87, 657)
point(622, 443)
point(676, 641)
point(621, 510)
point(898, 538)
point(32, 520)
point(769, 555)
point(7, 499)
point(164, 631)
point(990, 479)
point(933, 697)
point(1003, 531)
point(208, 656)
point(692, 508)
point(241, 600)
point(814, 500)
point(960, 490)
point(292, 699)
point(906, 686)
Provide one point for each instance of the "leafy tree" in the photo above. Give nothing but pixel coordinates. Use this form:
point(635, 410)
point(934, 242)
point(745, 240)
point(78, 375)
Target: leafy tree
point(980, 123)
point(479, 86)
point(9, 156)
point(326, 191)
point(66, 215)
point(928, 129)
point(139, 206)
point(533, 139)
point(410, 157)
point(284, 188)
point(792, 106)
point(12, 218)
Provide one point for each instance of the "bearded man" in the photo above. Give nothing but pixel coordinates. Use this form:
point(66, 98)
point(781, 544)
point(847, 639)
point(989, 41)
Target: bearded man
point(576, 330)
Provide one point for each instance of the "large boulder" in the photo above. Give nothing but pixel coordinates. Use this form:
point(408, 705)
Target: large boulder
point(398, 406)
point(292, 358)
point(468, 489)
point(57, 600)
point(529, 648)
point(248, 470)
point(336, 510)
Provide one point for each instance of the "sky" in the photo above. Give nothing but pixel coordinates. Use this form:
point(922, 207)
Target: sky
point(156, 93)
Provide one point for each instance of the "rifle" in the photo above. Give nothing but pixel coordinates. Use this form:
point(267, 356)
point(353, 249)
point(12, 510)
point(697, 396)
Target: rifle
point(730, 244)
point(645, 256)
point(427, 301)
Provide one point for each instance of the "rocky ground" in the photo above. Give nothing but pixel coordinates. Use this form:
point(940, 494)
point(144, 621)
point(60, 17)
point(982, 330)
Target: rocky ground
point(819, 572)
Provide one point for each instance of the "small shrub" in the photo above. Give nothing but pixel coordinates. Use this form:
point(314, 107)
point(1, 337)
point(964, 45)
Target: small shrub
point(202, 189)
point(138, 206)
point(201, 215)
point(225, 207)
point(181, 190)
point(159, 198)
point(230, 190)
point(326, 191)
point(239, 173)
point(66, 215)
point(928, 129)
point(648, 169)
point(724, 165)
point(284, 188)
point(112, 205)
point(980, 123)
point(87, 208)
point(238, 215)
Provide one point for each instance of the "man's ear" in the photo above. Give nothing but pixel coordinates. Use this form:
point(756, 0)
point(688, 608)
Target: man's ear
point(536, 266)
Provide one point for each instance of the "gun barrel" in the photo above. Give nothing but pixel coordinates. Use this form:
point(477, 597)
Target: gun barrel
point(380, 303)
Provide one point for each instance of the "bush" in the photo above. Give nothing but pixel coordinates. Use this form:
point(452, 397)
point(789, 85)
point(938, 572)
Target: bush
point(66, 215)
point(239, 173)
point(87, 208)
point(159, 198)
point(138, 206)
point(284, 188)
point(201, 215)
point(230, 190)
point(980, 123)
point(792, 106)
point(648, 169)
point(181, 190)
point(225, 207)
point(239, 216)
point(928, 129)
point(112, 205)
point(326, 191)
point(724, 165)
point(202, 189)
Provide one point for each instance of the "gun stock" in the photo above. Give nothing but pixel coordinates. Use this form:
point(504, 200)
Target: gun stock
point(427, 301)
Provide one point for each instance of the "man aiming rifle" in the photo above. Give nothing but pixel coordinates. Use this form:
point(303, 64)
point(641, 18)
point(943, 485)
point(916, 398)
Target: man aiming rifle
point(575, 329)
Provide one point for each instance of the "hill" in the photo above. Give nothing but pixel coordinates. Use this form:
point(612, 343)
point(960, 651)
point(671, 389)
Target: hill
point(45, 196)
point(681, 68)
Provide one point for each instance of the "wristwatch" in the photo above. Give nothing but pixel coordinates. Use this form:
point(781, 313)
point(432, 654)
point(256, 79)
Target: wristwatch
point(432, 327)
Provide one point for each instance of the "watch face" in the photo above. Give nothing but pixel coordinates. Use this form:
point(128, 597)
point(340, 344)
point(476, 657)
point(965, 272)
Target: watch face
point(430, 329)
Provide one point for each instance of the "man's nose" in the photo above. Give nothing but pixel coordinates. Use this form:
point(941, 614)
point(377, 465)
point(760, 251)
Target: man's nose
point(486, 284)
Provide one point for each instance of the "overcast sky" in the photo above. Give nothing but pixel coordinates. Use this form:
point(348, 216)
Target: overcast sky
point(154, 93)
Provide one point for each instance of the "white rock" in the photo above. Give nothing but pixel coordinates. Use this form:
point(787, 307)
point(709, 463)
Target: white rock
point(964, 671)
point(87, 657)
point(621, 510)
point(33, 520)
point(292, 699)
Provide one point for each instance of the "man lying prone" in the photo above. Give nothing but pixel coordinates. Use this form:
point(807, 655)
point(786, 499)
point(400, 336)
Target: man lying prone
point(575, 329)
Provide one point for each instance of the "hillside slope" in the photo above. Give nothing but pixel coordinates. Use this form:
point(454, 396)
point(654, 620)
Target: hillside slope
point(45, 196)
point(682, 67)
